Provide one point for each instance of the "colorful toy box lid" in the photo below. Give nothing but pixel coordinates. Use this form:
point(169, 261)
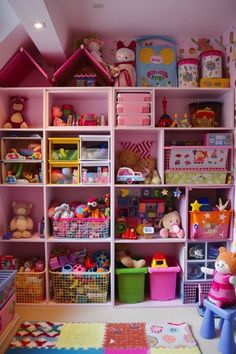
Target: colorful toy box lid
point(156, 61)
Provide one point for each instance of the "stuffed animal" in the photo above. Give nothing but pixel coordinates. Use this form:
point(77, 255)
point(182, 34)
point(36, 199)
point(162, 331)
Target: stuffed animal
point(125, 62)
point(222, 292)
point(16, 119)
point(170, 225)
point(147, 166)
point(21, 225)
point(63, 211)
point(94, 45)
point(56, 116)
point(127, 158)
point(125, 258)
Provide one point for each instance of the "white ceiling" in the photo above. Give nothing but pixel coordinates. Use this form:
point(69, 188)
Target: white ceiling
point(67, 20)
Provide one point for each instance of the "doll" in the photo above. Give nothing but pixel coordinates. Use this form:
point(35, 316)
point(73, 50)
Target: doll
point(222, 292)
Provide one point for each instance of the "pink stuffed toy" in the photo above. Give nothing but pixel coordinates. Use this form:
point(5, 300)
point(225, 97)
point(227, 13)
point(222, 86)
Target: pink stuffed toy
point(125, 62)
point(170, 224)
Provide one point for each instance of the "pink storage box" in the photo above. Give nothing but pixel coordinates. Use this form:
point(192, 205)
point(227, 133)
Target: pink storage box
point(134, 97)
point(162, 281)
point(7, 313)
point(133, 107)
point(133, 120)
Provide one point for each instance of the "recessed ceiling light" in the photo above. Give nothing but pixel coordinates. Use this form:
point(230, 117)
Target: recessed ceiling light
point(39, 25)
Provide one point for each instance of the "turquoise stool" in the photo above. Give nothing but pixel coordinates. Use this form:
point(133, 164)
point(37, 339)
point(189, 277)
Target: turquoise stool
point(207, 330)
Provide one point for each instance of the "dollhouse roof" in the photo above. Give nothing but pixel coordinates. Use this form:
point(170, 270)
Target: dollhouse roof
point(79, 63)
point(19, 67)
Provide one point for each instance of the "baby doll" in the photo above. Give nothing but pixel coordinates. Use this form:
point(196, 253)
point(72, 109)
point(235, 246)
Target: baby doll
point(222, 292)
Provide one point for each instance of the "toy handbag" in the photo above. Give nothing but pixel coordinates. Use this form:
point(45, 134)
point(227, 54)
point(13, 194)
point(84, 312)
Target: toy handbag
point(156, 61)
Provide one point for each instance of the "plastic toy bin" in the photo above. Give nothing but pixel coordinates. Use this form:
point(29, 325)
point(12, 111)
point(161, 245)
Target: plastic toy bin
point(30, 287)
point(131, 284)
point(210, 224)
point(7, 285)
point(7, 313)
point(87, 287)
point(162, 281)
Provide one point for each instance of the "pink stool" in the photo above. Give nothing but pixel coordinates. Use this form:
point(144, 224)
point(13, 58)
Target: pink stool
point(227, 316)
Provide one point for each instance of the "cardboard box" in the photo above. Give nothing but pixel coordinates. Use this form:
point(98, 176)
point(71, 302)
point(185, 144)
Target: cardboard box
point(214, 82)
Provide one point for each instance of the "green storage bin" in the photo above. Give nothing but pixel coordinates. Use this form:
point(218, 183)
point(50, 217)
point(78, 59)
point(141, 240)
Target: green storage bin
point(131, 283)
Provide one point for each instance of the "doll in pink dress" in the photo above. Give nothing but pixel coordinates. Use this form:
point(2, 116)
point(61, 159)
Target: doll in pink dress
point(222, 292)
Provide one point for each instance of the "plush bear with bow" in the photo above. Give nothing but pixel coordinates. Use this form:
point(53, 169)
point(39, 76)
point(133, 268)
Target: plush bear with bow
point(125, 62)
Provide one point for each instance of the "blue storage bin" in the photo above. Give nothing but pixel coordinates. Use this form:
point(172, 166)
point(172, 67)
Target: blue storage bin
point(7, 285)
point(156, 61)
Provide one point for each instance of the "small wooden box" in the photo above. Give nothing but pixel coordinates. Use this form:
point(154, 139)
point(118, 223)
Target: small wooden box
point(214, 82)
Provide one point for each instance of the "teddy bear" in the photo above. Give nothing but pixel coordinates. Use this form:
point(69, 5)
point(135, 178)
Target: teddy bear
point(147, 166)
point(56, 116)
point(124, 257)
point(125, 62)
point(170, 225)
point(222, 292)
point(127, 158)
point(16, 119)
point(21, 225)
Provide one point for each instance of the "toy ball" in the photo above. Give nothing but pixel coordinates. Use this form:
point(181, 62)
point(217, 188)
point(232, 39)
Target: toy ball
point(102, 259)
point(67, 171)
point(67, 268)
point(79, 268)
point(80, 211)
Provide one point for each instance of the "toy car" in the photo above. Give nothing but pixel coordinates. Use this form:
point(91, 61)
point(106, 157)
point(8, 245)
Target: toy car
point(127, 175)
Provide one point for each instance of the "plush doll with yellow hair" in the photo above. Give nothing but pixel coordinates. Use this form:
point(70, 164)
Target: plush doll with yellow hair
point(222, 292)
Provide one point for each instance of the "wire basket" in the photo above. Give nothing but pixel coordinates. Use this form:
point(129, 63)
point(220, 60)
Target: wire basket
point(30, 287)
point(87, 287)
point(81, 228)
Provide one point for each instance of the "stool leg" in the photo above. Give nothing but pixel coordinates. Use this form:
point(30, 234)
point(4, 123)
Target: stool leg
point(207, 329)
point(221, 323)
point(226, 344)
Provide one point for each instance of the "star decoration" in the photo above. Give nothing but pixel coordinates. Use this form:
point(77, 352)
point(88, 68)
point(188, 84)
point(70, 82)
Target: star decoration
point(177, 193)
point(195, 205)
point(222, 217)
point(164, 192)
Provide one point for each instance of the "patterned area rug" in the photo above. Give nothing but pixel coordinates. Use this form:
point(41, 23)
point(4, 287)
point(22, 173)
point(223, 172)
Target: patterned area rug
point(103, 338)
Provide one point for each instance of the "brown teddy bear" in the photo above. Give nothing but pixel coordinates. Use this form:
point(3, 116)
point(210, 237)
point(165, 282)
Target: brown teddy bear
point(147, 166)
point(21, 225)
point(16, 119)
point(127, 158)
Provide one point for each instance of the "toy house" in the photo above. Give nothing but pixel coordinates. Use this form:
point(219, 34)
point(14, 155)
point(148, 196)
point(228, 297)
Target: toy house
point(82, 64)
